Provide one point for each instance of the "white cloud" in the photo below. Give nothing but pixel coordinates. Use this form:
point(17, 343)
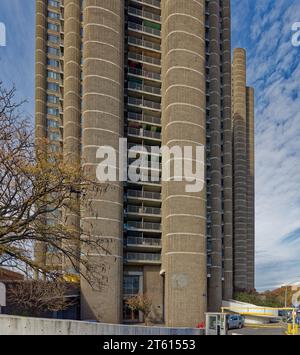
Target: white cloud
point(274, 70)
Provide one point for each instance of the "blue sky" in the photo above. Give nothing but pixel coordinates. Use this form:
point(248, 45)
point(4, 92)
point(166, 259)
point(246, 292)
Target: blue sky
point(17, 58)
point(263, 27)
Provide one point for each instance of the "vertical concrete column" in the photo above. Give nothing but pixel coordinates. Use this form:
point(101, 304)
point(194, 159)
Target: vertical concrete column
point(183, 120)
point(103, 125)
point(40, 93)
point(40, 70)
point(72, 117)
point(215, 281)
point(227, 151)
point(250, 189)
point(240, 169)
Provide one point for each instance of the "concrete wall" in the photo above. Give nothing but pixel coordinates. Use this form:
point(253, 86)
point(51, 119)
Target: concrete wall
point(184, 124)
point(102, 125)
point(2, 295)
point(36, 326)
point(153, 288)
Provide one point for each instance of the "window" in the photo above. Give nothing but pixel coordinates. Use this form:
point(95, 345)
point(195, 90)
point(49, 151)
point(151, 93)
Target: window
point(53, 15)
point(53, 75)
point(53, 51)
point(53, 87)
point(54, 136)
point(131, 285)
point(52, 111)
point(53, 148)
point(52, 124)
point(54, 39)
point(212, 323)
point(53, 63)
point(52, 99)
point(53, 3)
point(129, 315)
point(53, 27)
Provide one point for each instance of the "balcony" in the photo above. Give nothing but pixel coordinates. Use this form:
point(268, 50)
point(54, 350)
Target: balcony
point(144, 165)
point(143, 43)
point(144, 242)
point(144, 103)
point(144, 14)
point(144, 118)
point(144, 195)
point(144, 210)
point(144, 88)
point(144, 29)
point(144, 58)
point(142, 148)
point(154, 3)
point(144, 134)
point(143, 258)
point(144, 226)
point(144, 73)
point(144, 179)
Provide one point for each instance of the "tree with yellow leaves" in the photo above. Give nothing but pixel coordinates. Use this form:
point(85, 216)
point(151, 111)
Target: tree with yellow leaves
point(36, 185)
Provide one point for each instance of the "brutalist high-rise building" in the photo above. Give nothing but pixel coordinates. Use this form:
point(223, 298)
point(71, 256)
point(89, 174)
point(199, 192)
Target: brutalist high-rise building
point(157, 73)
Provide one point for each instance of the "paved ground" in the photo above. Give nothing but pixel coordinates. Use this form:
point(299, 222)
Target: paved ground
point(277, 330)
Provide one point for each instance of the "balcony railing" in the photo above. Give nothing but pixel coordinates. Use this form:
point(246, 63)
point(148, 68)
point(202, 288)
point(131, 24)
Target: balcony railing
point(147, 257)
point(144, 225)
point(154, 3)
point(143, 117)
point(151, 242)
point(144, 210)
point(145, 88)
point(144, 194)
point(141, 148)
point(146, 29)
point(144, 179)
point(144, 165)
point(144, 43)
point(142, 102)
point(146, 14)
point(144, 73)
point(144, 58)
point(143, 133)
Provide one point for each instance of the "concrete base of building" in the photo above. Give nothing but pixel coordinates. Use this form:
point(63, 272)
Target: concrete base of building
point(10, 325)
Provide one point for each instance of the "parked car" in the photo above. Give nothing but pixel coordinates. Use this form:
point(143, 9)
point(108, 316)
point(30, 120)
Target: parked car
point(235, 321)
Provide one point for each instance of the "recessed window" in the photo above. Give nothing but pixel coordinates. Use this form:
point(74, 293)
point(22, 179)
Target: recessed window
point(53, 87)
point(53, 3)
point(54, 15)
point(53, 63)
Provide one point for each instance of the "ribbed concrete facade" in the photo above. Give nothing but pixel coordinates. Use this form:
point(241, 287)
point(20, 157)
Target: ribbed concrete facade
point(243, 167)
point(40, 70)
point(72, 80)
point(214, 155)
point(41, 94)
point(240, 169)
point(227, 151)
point(103, 125)
point(250, 190)
point(184, 214)
point(72, 116)
point(157, 73)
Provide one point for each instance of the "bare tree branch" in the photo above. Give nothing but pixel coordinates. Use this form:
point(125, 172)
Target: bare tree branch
point(36, 185)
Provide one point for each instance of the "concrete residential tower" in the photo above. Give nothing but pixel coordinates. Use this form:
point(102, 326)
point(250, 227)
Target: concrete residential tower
point(243, 177)
point(158, 73)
